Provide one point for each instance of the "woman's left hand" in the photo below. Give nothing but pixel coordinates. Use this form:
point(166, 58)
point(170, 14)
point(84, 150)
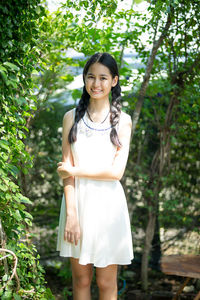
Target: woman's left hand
point(64, 170)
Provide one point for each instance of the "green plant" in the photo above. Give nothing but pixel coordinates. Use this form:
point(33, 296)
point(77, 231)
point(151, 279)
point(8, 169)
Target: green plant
point(19, 32)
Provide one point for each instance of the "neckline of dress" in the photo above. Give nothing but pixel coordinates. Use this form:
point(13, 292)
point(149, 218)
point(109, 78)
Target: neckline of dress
point(95, 125)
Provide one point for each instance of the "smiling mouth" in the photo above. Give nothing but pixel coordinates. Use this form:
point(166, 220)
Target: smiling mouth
point(96, 91)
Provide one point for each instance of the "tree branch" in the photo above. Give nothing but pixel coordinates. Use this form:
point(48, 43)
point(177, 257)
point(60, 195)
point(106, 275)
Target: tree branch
point(14, 272)
point(149, 67)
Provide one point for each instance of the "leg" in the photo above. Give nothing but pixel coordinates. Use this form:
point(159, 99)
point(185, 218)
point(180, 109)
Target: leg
point(107, 282)
point(82, 277)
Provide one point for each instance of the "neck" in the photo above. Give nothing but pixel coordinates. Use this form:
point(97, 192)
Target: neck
point(98, 110)
point(98, 106)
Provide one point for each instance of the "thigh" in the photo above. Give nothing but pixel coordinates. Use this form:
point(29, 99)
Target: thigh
point(80, 270)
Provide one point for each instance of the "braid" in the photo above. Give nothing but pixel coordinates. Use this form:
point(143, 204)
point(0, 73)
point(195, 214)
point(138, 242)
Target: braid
point(80, 110)
point(115, 109)
point(115, 114)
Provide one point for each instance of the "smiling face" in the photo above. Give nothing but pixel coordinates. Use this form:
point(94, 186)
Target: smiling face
point(99, 81)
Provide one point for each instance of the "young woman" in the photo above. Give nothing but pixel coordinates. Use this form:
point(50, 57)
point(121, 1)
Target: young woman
point(94, 227)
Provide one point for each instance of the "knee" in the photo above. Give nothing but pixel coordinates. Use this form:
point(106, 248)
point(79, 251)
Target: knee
point(105, 284)
point(82, 281)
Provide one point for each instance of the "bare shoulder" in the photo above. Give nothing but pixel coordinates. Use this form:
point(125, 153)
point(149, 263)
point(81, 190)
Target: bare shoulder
point(125, 120)
point(69, 114)
point(125, 126)
point(68, 118)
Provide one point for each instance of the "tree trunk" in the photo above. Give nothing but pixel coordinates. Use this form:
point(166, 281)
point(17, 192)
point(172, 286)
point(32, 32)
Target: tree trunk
point(144, 85)
point(147, 248)
point(152, 217)
point(156, 245)
point(156, 172)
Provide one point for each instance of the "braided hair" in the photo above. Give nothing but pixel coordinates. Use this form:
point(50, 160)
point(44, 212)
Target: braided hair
point(115, 107)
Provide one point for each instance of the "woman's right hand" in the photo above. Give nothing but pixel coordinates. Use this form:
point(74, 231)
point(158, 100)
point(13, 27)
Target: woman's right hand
point(72, 229)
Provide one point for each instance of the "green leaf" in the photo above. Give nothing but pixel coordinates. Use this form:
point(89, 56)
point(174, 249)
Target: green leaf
point(28, 215)
point(17, 297)
point(48, 295)
point(11, 66)
point(4, 76)
point(7, 295)
point(25, 200)
point(12, 83)
point(13, 169)
point(21, 100)
point(138, 1)
point(4, 144)
point(17, 215)
point(3, 187)
point(5, 277)
point(3, 69)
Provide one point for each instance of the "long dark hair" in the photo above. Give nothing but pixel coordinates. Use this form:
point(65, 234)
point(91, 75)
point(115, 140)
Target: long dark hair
point(115, 108)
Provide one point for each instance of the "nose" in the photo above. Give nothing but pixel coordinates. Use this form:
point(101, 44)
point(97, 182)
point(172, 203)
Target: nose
point(96, 82)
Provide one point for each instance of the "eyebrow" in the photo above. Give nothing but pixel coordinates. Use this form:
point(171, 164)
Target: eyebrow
point(100, 74)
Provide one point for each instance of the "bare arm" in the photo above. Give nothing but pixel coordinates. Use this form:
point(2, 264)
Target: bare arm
point(113, 172)
point(72, 228)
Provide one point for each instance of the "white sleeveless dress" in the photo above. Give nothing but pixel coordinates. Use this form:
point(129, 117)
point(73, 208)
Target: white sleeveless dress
point(101, 204)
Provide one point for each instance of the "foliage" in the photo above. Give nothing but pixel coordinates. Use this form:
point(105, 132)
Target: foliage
point(45, 140)
point(19, 32)
point(182, 206)
point(87, 27)
point(178, 61)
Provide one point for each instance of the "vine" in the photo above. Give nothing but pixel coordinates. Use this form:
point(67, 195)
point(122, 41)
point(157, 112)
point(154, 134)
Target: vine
point(20, 24)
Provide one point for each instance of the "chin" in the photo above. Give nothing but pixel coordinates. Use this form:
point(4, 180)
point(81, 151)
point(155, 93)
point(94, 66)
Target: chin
point(97, 95)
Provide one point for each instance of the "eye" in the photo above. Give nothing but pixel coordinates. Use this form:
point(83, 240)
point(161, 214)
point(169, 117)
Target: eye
point(103, 78)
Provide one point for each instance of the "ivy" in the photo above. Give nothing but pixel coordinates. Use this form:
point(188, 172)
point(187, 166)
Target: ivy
point(20, 23)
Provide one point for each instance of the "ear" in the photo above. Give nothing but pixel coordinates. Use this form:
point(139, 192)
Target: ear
point(115, 81)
